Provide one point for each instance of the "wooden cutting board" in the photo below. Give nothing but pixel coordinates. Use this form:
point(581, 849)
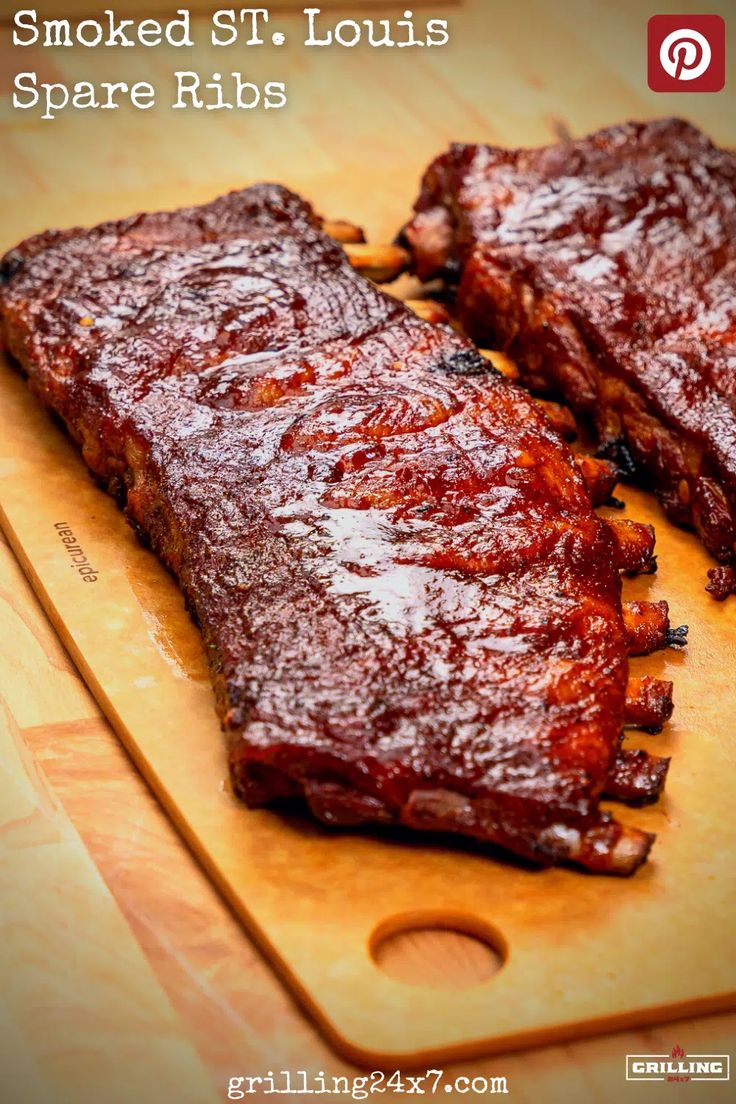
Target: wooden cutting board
point(581, 954)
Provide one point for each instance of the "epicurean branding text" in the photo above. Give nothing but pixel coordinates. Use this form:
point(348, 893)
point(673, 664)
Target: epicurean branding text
point(79, 561)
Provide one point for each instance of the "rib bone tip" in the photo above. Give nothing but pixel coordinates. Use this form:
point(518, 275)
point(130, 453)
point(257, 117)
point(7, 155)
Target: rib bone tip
point(631, 850)
point(677, 637)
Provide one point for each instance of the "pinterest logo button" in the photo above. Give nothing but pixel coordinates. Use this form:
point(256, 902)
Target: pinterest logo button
point(686, 53)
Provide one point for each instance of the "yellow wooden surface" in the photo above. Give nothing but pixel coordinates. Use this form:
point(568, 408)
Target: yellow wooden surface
point(161, 10)
point(82, 1016)
point(360, 126)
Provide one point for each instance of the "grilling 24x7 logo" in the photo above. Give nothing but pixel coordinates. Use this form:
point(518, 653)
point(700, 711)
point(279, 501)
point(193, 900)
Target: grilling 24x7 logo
point(678, 1066)
point(686, 53)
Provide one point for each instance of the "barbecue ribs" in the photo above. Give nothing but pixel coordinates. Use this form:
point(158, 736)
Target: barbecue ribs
point(412, 613)
point(606, 268)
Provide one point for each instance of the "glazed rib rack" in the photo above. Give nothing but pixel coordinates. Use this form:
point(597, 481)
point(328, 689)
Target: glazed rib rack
point(606, 269)
point(411, 611)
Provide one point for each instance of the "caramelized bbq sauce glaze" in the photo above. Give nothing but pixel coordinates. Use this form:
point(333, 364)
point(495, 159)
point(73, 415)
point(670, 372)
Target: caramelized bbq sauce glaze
point(412, 613)
point(606, 268)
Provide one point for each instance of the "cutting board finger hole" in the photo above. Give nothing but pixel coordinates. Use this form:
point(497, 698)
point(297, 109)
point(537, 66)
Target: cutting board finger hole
point(439, 950)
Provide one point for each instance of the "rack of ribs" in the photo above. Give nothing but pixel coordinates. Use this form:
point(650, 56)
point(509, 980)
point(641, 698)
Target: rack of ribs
point(411, 610)
point(606, 269)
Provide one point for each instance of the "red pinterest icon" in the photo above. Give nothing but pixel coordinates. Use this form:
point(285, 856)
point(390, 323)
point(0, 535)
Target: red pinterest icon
point(686, 53)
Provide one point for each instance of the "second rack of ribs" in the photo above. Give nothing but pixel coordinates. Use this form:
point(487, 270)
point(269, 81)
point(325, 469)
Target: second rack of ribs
point(606, 268)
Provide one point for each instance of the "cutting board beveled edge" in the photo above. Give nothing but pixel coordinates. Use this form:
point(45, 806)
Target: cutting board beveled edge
point(585, 954)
